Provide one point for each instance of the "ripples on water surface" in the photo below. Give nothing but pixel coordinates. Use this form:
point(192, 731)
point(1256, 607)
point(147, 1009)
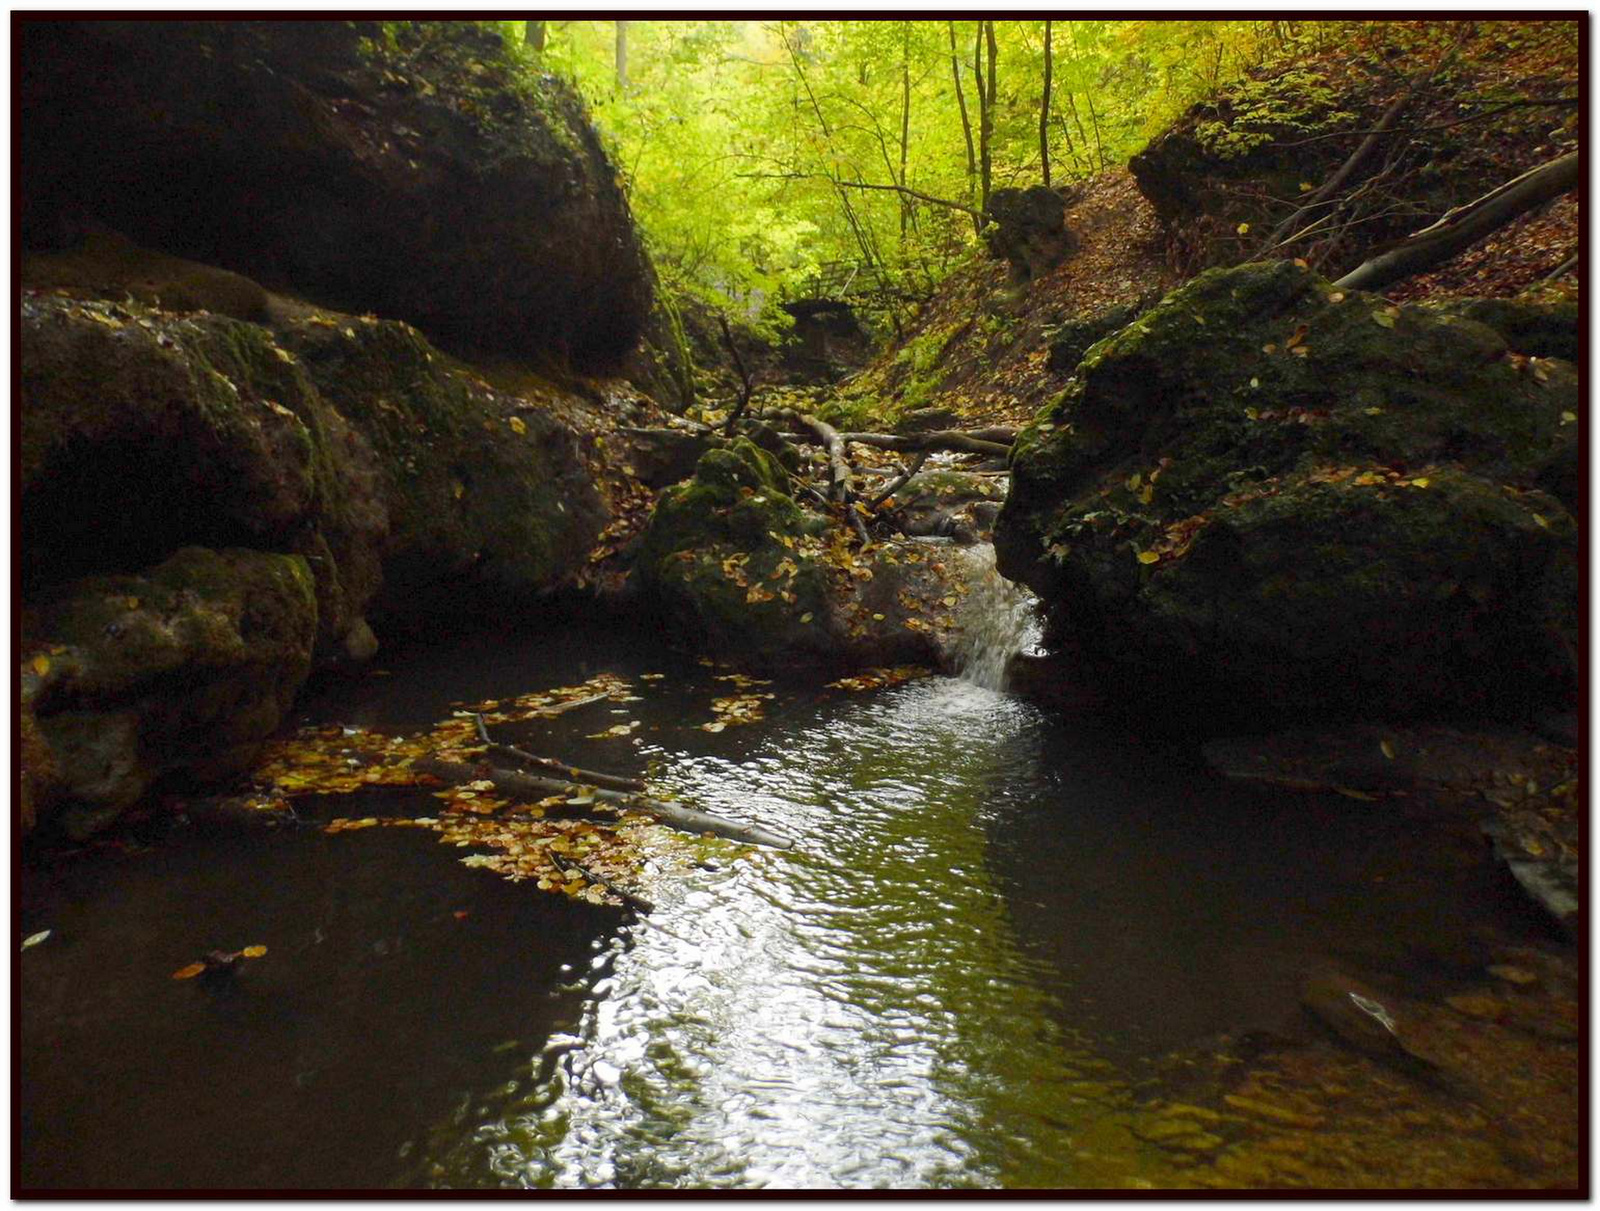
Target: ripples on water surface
point(992, 922)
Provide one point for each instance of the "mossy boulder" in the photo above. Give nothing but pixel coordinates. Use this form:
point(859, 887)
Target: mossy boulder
point(489, 495)
point(143, 431)
point(415, 169)
point(738, 567)
point(1537, 328)
point(176, 673)
point(1266, 495)
point(948, 504)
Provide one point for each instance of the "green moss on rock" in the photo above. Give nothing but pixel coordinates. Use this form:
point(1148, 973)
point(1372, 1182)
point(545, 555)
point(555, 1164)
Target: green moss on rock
point(182, 670)
point(1193, 507)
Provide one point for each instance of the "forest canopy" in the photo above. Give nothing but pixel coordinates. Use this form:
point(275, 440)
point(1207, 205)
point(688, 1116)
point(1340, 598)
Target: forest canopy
point(765, 157)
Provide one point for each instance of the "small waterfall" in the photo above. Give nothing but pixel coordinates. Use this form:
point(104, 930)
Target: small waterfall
point(998, 620)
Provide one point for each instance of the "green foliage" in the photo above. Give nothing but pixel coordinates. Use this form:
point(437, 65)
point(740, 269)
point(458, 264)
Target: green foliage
point(742, 143)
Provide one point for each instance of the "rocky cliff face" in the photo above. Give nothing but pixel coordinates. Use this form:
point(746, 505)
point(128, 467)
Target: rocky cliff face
point(224, 487)
point(411, 169)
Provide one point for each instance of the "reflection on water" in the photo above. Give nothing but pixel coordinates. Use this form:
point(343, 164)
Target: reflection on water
point(851, 1014)
point(970, 972)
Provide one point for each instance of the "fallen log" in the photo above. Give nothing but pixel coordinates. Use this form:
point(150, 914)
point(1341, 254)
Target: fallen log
point(941, 439)
point(1465, 225)
point(840, 487)
point(561, 769)
point(531, 786)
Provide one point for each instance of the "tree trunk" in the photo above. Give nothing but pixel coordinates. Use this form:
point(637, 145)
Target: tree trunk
point(1044, 112)
point(533, 34)
point(961, 102)
point(1465, 225)
point(905, 125)
point(985, 120)
point(622, 55)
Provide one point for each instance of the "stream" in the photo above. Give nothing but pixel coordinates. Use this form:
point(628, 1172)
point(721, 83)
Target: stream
point(1003, 936)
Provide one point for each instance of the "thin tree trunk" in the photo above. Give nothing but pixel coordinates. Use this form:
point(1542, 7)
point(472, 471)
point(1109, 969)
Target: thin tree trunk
point(533, 34)
point(986, 98)
point(1044, 111)
point(966, 122)
point(622, 55)
point(1465, 225)
point(905, 125)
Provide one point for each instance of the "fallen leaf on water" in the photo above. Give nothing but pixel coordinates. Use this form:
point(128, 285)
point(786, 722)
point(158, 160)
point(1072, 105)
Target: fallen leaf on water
point(41, 665)
point(34, 939)
point(189, 972)
point(1388, 749)
point(1148, 557)
point(253, 952)
point(461, 914)
point(517, 424)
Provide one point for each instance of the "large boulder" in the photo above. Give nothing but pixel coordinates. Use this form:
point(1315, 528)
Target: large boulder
point(1266, 495)
point(143, 431)
point(414, 169)
point(397, 483)
point(180, 672)
point(737, 566)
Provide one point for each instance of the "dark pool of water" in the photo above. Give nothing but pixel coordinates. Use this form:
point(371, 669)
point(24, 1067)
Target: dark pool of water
point(992, 922)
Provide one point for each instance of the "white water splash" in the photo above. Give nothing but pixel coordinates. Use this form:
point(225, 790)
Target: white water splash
point(998, 620)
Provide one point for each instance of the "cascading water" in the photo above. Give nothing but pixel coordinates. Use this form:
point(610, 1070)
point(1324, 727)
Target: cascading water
point(998, 620)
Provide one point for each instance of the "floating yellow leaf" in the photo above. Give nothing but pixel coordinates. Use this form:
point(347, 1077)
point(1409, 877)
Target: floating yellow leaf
point(189, 972)
point(1243, 228)
point(517, 424)
point(1336, 297)
point(253, 952)
point(41, 665)
point(1420, 482)
point(1388, 749)
point(1253, 413)
point(807, 616)
point(1568, 417)
point(1373, 411)
point(1383, 319)
point(1148, 557)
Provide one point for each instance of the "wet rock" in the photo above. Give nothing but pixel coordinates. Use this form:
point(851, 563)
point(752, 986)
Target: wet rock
point(489, 495)
point(1363, 1019)
point(1266, 496)
point(949, 504)
point(408, 168)
point(735, 562)
point(180, 671)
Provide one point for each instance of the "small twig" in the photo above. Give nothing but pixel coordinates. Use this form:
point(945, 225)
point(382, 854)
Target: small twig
point(561, 708)
point(1561, 268)
point(571, 773)
point(744, 376)
point(638, 903)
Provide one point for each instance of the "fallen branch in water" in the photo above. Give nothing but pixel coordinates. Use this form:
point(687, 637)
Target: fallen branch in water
point(561, 708)
point(638, 903)
point(561, 769)
point(517, 784)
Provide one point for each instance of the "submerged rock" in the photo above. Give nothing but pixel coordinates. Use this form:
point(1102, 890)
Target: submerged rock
point(409, 168)
point(1266, 495)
